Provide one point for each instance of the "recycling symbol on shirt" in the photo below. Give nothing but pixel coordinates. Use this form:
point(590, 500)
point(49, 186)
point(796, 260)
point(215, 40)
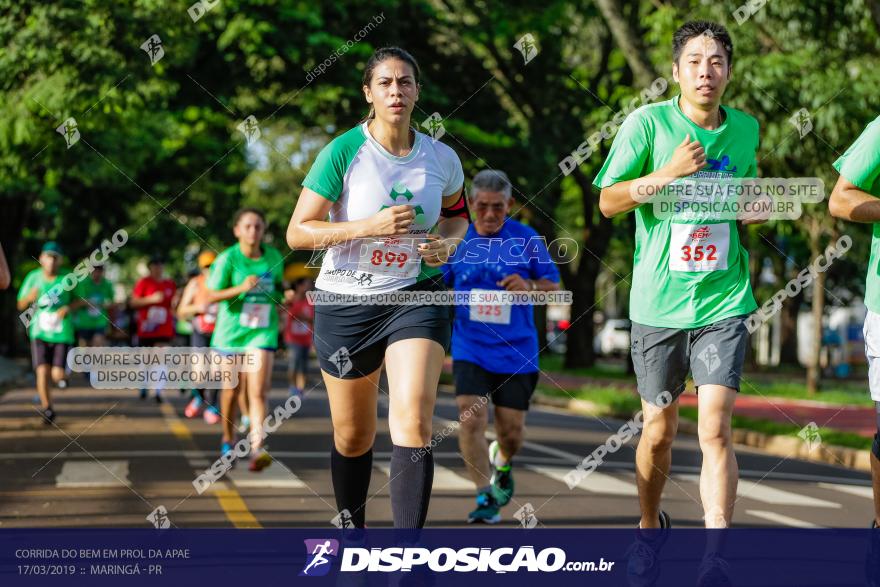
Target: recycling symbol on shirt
point(400, 191)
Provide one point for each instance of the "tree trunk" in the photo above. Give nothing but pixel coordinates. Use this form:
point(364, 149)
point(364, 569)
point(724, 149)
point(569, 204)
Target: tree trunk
point(814, 369)
point(628, 38)
point(788, 353)
point(579, 336)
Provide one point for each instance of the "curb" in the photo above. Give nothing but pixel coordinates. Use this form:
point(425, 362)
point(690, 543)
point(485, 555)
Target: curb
point(773, 444)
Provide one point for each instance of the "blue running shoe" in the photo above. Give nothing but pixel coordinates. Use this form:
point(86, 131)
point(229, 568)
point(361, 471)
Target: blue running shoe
point(487, 510)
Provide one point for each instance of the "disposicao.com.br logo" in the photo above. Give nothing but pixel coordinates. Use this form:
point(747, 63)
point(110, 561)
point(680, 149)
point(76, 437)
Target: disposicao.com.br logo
point(442, 560)
point(318, 553)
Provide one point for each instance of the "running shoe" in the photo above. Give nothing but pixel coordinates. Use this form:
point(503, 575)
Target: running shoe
point(143, 394)
point(194, 408)
point(48, 416)
point(212, 415)
point(260, 459)
point(714, 572)
point(62, 384)
point(244, 424)
point(226, 447)
point(294, 391)
point(158, 397)
point(487, 510)
point(502, 478)
point(643, 560)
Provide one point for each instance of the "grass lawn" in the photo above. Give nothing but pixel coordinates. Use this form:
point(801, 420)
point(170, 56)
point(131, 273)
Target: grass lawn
point(844, 392)
point(552, 362)
point(621, 404)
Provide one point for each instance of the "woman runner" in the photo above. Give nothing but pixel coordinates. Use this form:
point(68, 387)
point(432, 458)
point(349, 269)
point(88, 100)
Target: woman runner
point(385, 187)
point(245, 280)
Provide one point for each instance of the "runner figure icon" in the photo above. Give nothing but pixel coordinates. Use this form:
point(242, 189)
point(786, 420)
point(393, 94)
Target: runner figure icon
point(320, 550)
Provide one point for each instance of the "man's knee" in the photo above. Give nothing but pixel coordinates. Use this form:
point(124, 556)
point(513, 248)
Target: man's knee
point(659, 432)
point(509, 431)
point(473, 417)
point(714, 433)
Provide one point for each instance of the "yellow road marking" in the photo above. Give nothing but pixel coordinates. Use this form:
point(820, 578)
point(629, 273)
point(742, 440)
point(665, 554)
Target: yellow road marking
point(230, 499)
point(177, 427)
point(235, 508)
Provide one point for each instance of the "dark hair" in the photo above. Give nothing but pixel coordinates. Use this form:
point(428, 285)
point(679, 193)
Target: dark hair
point(380, 55)
point(243, 211)
point(695, 28)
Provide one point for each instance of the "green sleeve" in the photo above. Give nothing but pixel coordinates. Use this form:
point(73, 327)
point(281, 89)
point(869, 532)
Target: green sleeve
point(220, 275)
point(108, 291)
point(860, 165)
point(277, 268)
point(79, 292)
point(629, 153)
point(752, 171)
point(328, 171)
point(27, 285)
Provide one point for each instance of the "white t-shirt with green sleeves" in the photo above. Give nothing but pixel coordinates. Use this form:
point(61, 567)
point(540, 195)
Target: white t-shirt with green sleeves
point(361, 178)
point(669, 289)
point(860, 165)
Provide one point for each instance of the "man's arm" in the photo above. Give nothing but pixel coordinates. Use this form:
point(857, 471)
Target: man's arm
point(850, 202)
point(688, 158)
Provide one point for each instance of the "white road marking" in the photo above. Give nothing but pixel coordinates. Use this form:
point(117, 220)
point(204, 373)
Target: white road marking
point(761, 491)
point(859, 490)
point(93, 474)
point(444, 478)
point(780, 519)
point(275, 476)
point(595, 482)
point(772, 495)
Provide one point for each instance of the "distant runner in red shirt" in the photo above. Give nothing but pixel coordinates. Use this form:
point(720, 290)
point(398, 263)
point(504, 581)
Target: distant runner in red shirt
point(298, 335)
point(152, 297)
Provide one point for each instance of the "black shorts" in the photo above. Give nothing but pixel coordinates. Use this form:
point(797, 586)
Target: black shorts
point(49, 353)
point(88, 334)
point(350, 340)
point(509, 390)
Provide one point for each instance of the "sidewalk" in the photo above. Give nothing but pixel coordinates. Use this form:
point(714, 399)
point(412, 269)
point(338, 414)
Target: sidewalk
point(856, 419)
point(12, 370)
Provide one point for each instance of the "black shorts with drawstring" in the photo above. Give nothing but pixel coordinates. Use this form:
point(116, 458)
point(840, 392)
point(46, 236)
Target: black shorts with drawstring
point(350, 340)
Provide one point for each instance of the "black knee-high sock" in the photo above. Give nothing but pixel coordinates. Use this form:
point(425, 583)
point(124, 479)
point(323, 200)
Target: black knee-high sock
point(351, 482)
point(412, 475)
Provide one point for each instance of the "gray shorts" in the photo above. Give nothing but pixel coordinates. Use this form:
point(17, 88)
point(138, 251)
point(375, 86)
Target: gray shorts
point(662, 357)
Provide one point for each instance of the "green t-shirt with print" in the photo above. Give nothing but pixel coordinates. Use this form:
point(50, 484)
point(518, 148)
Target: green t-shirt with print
point(92, 316)
point(45, 322)
point(250, 320)
point(669, 290)
point(860, 165)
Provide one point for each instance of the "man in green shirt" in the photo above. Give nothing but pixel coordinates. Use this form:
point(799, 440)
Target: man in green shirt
point(690, 286)
point(93, 297)
point(854, 198)
point(44, 300)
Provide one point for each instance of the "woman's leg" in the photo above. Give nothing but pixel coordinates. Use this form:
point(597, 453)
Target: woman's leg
point(353, 412)
point(259, 383)
point(413, 367)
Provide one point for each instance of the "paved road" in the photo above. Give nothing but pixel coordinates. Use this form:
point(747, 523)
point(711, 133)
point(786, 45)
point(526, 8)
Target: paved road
point(113, 459)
